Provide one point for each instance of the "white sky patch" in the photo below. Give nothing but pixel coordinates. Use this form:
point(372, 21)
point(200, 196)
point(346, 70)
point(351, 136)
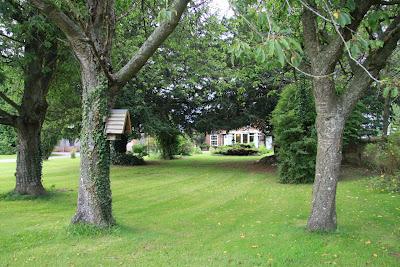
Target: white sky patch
point(221, 7)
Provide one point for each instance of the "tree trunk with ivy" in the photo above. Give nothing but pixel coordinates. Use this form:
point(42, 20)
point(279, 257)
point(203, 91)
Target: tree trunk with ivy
point(94, 196)
point(91, 41)
point(333, 108)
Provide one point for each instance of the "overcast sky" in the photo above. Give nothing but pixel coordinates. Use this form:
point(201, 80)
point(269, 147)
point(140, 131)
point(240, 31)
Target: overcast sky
point(222, 7)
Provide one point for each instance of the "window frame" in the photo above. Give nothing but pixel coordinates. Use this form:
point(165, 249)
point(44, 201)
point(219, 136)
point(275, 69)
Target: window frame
point(214, 140)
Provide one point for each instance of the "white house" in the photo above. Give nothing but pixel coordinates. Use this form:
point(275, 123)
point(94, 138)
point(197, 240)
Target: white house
point(245, 135)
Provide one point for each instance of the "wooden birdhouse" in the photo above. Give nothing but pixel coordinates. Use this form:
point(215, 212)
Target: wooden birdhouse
point(118, 123)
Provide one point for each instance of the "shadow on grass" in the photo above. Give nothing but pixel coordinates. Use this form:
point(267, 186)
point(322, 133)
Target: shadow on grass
point(51, 193)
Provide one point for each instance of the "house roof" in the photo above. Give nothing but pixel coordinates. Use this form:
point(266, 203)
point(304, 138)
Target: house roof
point(119, 122)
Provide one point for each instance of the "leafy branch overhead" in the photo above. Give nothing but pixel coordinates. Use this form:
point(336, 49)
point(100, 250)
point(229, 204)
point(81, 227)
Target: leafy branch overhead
point(75, 31)
point(276, 36)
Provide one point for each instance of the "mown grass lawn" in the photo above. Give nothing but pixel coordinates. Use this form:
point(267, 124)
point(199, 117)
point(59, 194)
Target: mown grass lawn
point(198, 211)
point(8, 156)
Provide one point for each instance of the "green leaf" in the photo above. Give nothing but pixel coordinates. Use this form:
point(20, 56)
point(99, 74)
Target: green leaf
point(295, 59)
point(284, 43)
point(344, 19)
point(260, 54)
point(280, 53)
point(271, 48)
point(355, 49)
point(394, 92)
point(296, 45)
point(386, 92)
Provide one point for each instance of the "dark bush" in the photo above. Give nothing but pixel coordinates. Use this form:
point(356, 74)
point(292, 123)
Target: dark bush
point(295, 136)
point(126, 159)
point(236, 150)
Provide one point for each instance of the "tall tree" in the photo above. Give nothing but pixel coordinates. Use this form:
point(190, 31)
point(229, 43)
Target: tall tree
point(333, 109)
point(28, 43)
point(91, 34)
point(346, 44)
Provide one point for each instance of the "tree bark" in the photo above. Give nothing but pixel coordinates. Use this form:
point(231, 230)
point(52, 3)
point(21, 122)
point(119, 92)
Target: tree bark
point(39, 67)
point(29, 159)
point(330, 123)
point(94, 196)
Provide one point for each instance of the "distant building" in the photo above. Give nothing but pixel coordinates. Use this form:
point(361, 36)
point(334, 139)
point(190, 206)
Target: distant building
point(245, 135)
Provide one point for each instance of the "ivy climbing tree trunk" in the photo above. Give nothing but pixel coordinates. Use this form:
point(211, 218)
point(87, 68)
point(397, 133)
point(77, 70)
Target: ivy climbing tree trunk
point(91, 41)
point(94, 196)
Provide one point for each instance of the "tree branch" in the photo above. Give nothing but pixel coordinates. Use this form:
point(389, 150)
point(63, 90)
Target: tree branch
point(375, 62)
point(311, 42)
point(150, 45)
point(10, 102)
point(389, 3)
point(70, 28)
point(10, 37)
point(332, 52)
point(7, 119)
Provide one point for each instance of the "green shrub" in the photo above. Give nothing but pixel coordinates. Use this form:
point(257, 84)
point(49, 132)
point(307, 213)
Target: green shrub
point(73, 153)
point(204, 146)
point(263, 150)
point(295, 136)
point(139, 150)
point(126, 159)
point(197, 150)
point(236, 150)
point(185, 146)
point(384, 156)
point(387, 183)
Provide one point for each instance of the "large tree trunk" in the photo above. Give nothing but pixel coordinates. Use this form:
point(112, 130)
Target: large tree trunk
point(29, 159)
point(38, 72)
point(327, 171)
point(94, 196)
point(330, 125)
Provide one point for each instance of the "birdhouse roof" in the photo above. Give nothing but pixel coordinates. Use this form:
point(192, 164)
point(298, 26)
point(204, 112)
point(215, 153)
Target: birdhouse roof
point(118, 122)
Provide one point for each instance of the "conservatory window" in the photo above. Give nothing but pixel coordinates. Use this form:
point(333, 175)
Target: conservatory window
point(251, 137)
point(214, 140)
point(238, 138)
point(245, 138)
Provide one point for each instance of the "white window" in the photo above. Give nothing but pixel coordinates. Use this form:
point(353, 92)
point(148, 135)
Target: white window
point(251, 137)
point(238, 138)
point(245, 138)
point(214, 140)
